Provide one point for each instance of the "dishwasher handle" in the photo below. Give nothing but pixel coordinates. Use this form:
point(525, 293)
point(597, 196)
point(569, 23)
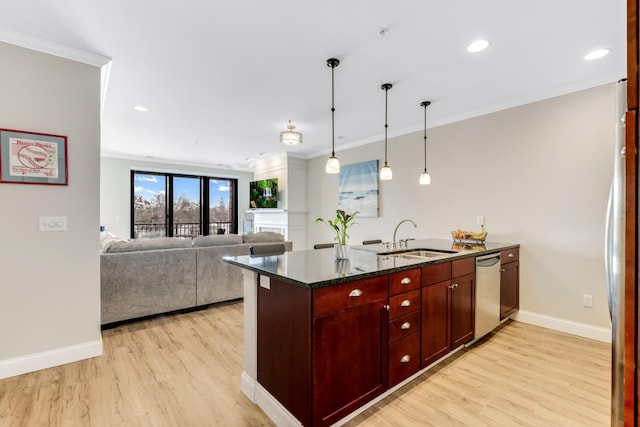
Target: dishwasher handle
point(487, 260)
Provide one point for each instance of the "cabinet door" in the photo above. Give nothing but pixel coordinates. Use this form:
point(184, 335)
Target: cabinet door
point(509, 289)
point(350, 367)
point(435, 322)
point(462, 309)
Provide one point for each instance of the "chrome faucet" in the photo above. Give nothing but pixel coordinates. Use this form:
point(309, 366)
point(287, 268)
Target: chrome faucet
point(396, 230)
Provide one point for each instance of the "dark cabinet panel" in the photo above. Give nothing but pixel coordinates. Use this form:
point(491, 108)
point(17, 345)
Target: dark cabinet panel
point(404, 358)
point(509, 289)
point(404, 303)
point(349, 360)
point(462, 309)
point(339, 297)
point(436, 273)
point(284, 347)
point(405, 325)
point(436, 317)
point(404, 281)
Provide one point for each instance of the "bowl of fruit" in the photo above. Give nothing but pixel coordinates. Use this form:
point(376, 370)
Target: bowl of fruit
point(461, 235)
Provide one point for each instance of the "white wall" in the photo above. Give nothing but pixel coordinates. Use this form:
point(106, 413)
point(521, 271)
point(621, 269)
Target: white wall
point(115, 189)
point(540, 175)
point(50, 282)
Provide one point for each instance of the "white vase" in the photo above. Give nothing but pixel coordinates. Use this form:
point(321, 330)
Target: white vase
point(341, 251)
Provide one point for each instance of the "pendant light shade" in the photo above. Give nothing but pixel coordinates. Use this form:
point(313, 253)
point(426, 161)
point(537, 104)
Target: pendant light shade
point(290, 137)
point(385, 172)
point(425, 178)
point(333, 164)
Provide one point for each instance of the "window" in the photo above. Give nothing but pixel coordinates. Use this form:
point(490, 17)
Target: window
point(164, 204)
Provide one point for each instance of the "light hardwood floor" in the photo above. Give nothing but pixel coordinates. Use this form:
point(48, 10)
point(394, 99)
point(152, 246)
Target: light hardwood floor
point(184, 370)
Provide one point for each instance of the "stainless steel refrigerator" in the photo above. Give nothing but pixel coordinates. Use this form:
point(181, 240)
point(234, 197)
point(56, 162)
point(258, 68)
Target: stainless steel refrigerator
point(614, 258)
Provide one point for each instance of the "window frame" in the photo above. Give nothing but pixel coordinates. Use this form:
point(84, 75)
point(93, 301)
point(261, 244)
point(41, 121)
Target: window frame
point(205, 199)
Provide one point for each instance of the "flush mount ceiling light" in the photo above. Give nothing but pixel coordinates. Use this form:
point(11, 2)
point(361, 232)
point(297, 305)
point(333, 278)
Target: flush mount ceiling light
point(290, 137)
point(141, 108)
point(333, 164)
point(477, 46)
point(596, 54)
point(425, 178)
point(385, 172)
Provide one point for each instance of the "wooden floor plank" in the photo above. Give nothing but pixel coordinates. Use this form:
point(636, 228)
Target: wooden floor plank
point(184, 369)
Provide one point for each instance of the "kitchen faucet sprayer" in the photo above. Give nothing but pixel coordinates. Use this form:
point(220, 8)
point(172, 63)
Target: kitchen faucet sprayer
point(396, 230)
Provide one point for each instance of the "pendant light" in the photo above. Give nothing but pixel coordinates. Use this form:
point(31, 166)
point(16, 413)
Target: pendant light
point(333, 164)
point(425, 178)
point(385, 172)
point(290, 137)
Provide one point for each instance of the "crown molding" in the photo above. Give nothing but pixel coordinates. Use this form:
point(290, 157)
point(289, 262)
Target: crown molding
point(52, 48)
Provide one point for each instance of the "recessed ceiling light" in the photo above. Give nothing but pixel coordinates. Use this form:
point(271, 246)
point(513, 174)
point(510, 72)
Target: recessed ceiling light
point(141, 108)
point(596, 54)
point(477, 46)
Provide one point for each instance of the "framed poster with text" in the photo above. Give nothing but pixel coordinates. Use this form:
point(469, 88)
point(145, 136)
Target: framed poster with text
point(32, 158)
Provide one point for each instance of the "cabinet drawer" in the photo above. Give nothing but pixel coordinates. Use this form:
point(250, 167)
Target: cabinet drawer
point(339, 297)
point(404, 325)
point(464, 266)
point(404, 358)
point(404, 303)
point(436, 273)
point(509, 255)
point(404, 281)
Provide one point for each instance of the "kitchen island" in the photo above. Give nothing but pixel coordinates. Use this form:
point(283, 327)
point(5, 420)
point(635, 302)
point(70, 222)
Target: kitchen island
point(324, 338)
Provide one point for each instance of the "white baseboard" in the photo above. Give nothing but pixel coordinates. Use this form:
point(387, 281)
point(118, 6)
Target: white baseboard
point(48, 359)
point(261, 397)
point(563, 325)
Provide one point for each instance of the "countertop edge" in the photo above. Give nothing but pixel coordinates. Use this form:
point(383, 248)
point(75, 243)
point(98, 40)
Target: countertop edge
point(234, 260)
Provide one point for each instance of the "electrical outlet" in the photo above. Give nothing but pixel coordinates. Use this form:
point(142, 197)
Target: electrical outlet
point(588, 301)
point(480, 220)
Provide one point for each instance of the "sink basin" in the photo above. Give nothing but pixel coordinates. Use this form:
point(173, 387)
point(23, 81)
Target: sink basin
point(417, 253)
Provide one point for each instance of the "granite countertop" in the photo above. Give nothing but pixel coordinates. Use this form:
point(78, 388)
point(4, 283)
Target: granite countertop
point(318, 267)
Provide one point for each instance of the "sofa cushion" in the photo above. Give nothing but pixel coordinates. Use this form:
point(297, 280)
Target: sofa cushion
point(149, 244)
point(263, 236)
point(107, 239)
point(216, 240)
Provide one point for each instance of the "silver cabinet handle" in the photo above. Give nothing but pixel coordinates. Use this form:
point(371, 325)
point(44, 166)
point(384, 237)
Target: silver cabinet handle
point(355, 293)
point(502, 270)
point(405, 359)
point(386, 307)
point(405, 281)
point(405, 325)
point(510, 255)
point(405, 303)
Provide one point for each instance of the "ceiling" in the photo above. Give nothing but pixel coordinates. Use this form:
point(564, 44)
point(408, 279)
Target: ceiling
point(221, 80)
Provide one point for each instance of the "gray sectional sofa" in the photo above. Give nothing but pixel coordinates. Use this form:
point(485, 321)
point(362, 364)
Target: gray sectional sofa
point(144, 277)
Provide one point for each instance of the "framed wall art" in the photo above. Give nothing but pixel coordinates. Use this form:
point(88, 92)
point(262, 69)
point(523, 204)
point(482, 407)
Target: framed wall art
point(358, 188)
point(32, 158)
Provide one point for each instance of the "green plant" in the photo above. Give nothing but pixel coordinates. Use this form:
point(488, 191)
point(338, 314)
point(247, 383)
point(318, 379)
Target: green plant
point(340, 225)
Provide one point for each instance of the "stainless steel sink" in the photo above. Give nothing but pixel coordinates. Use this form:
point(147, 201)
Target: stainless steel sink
point(417, 253)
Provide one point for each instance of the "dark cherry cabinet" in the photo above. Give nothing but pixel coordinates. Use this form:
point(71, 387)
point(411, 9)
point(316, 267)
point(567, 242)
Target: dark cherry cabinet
point(462, 309)
point(404, 325)
point(509, 283)
point(349, 348)
point(322, 353)
point(448, 292)
point(436, 309)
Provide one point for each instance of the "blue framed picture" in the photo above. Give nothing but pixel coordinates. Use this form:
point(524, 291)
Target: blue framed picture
point(358, 188)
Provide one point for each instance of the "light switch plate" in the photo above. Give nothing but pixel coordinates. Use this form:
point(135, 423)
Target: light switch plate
point(52, 223)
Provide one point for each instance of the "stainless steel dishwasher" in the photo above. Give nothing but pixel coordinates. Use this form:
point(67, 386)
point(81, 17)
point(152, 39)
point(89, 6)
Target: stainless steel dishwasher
point(487, 294)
